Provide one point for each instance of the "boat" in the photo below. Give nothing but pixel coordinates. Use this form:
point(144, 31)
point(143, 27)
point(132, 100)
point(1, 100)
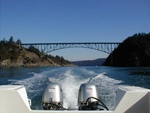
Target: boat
point(129, 99)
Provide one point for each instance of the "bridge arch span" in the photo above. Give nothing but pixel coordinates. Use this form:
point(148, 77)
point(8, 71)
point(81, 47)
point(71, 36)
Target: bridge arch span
point(106, 47)
point(75, 47)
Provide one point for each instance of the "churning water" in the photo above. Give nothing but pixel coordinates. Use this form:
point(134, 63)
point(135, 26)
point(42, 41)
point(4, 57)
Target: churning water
point(107, 80)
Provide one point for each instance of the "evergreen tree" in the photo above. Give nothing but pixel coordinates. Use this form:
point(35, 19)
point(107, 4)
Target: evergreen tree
point(11, 40)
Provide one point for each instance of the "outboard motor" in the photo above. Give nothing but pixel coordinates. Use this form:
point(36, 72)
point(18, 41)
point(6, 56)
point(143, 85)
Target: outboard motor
point(52, 97)
point(88, 98)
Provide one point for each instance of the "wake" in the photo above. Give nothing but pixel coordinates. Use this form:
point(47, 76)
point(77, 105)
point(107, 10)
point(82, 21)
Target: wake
point(70, 79)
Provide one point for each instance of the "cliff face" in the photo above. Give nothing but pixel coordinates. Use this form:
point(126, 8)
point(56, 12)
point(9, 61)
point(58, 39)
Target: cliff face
point(13, 55)
point(134, 51)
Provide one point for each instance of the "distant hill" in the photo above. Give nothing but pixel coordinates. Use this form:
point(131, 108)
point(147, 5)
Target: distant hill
point(134, 51)
point(13, 54)
point(97, 62)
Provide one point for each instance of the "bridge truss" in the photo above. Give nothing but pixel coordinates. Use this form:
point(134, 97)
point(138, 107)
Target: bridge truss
point(106, 47)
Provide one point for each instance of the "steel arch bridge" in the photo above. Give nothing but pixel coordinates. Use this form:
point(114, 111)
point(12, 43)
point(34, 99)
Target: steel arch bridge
point(106, 47)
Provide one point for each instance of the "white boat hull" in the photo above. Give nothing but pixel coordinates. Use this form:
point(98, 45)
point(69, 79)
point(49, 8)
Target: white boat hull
point(13, 99)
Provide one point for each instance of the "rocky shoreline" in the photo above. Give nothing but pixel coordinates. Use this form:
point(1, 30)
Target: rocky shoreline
point(28, 59)
point(13, 55)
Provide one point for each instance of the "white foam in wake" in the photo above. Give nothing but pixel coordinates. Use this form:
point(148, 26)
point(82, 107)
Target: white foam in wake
point(70, 80)
point(107, 88)
point(70, 86)
point(32, 84)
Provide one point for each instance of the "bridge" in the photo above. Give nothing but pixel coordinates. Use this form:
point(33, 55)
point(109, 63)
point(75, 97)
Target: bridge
point(106, 47)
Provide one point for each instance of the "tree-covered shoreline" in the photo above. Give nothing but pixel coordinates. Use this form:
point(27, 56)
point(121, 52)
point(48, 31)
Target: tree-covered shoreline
point(13, 54)
point(133, 51)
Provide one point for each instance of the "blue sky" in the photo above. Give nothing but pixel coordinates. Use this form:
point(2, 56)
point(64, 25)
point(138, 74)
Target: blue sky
point(40, 21)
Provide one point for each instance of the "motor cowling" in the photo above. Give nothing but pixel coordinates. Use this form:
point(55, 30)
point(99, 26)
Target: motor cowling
point(52, 98)
point(86, 91)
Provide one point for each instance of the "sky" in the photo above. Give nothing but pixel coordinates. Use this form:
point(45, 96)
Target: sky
point(52, 21)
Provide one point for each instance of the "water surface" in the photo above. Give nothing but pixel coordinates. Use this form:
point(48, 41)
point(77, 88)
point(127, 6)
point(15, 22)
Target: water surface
point(107, 79)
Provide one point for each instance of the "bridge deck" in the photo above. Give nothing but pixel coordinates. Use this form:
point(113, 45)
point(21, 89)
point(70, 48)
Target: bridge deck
point(106, 47)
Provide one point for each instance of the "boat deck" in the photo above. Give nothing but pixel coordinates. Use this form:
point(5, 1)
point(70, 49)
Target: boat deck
point(13, 99)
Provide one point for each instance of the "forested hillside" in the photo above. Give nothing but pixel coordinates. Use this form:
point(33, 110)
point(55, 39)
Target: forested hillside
point(133, 51)
point(13, 54)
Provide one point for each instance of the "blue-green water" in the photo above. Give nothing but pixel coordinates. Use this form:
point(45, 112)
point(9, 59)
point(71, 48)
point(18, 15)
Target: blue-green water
point(107, 79)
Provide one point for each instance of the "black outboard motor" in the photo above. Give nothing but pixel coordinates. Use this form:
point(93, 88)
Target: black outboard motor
point(88, 98)
point(52, 98)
